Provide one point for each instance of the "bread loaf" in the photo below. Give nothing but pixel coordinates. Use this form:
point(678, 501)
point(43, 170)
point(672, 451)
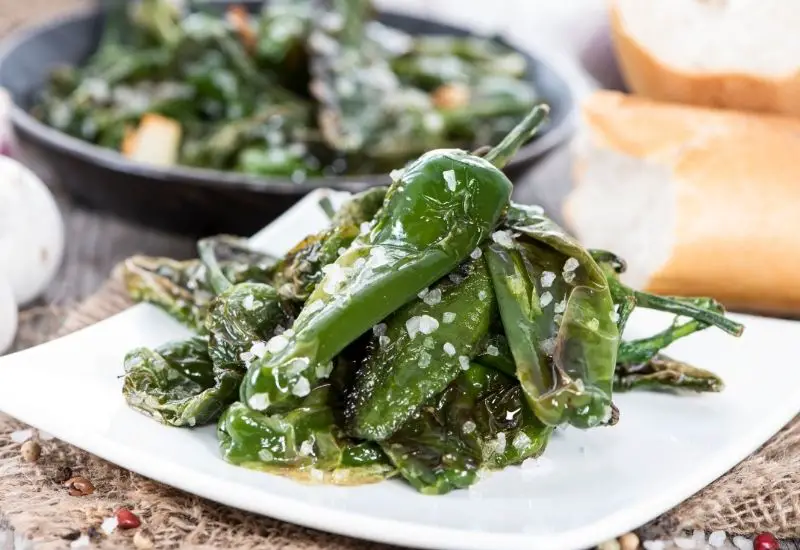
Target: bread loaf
point(698, 201)
point(740, 54)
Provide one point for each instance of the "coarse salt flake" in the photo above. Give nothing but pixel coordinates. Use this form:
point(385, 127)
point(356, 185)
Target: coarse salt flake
point(379, 329)
point(427, 324)
point(503, 238)
point(468, 427)
point(297, 366)
point(249, 302)
point(742, 543)
point(341, 250)
point(560, 306)
point(477, 253)
point(258, 401)
point(548, 346)
point(448, 317)
point(545, 299)
point(463, 360)
point(433, 297)
point(421, 294)
point(717, 539)
point(450, 179)
point(500, 443)
point(109, 525)
point(521, 441)
point(449, 349)
point(654, 545)
point(482, 295)
point(396, 175)
point(412, 326)
point(684, 543)
point(277, 343)
point(547, 279)
point(593, 324)
point(364, 228)
point(80, 542)
point(307, 448)
point(569, 276)
point(384, 341)
point(259, 349)
point(301, 388)
point(492, 350)
point(266, 455)
point(428, 343)
point(324, 370)
point(246, 356)
point(571, 264)
point(614, 316)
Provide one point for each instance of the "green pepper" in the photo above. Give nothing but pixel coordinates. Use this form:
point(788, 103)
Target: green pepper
point(304, 443)
point(242, 317)
point(434, 215)
point(419, 350)
point(182, 288)
point(557, 314)
point(301, 269)
point(481, 421)
point(664, 373)
point(177, 384)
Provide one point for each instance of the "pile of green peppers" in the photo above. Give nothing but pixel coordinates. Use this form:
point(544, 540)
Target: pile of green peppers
point(303, 88)
point(435, 330)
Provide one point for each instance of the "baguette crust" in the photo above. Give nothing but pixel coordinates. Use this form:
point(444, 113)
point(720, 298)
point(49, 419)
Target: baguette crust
point(647, 76)
point(736, 180)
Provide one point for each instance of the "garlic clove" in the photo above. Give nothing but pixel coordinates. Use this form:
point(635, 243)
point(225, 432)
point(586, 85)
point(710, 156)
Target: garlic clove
point(31, 232)
point(8, 316)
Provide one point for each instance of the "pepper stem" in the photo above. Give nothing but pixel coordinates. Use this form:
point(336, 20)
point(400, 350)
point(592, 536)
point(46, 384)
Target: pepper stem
point(216, 278)
point(705, 310)
point(522, 132)
point(327, 207)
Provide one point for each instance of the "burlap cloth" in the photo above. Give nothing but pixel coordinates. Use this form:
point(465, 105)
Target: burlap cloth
point(761, 493)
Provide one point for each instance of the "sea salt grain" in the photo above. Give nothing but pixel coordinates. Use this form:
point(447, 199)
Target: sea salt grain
point(482, 295)
point(593, 324)
point(384, 341)
point(412, 326)
point(449, 349)
point(684, 543)
point(109, 525)
point(433, 297)
point(448, 317)
point(301, 387)
point(468, 427)
point(717, 539)
point(742, 543)
point(277, 343)
point(547, 278)
point(297, 366)
point(307, 448)
point(475, 254)
point(654, 545)
point(545, 299)
point(503, 238)
point(492, 350)
point(259, 349)
point(364, 228)
point(249, 302)
point(324, 370)
point(450, 179)
point(379, 329)
point(421, 294)
point(427, 324)
point(463, 360)
point(317, 475)
point(258, 401)
point(521, 441)
point(571, 265)
point(560, 306)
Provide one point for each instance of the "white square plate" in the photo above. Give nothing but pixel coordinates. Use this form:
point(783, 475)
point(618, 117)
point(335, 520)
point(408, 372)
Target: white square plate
point(588, 487)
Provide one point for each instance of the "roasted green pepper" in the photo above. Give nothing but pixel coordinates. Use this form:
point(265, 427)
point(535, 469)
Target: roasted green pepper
point(433, 217)
point(177, 384)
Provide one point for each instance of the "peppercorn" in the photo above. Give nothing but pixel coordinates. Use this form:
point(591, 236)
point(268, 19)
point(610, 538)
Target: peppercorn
point(79, 486)
point(765, 541)
point(31, 451)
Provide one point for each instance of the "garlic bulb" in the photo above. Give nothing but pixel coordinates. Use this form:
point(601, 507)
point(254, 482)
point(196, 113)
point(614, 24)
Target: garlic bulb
point(8, 316)
point(31, 232)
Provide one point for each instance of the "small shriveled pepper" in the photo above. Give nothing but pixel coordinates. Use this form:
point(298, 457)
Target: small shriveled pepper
point(419, 350)
point(558, 317)
point(434, 216)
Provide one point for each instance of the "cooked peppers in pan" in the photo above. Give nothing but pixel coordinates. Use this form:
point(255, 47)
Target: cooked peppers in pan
point(434, 331)
point(296, 89)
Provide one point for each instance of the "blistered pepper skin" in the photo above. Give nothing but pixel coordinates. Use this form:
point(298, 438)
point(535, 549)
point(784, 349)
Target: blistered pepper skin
point(433, 217)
